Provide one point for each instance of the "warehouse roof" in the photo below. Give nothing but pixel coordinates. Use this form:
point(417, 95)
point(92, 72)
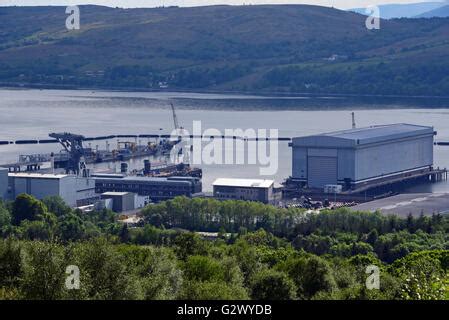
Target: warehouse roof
point(37, 175)
point(244, 183)
point(152, 180)
point(378, 131)
point(368, 135)
point(115, 193)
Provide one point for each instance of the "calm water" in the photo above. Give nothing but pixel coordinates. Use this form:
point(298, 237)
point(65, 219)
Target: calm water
point(33, 114)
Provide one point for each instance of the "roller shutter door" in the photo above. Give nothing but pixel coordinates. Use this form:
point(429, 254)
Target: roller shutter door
point(321, 171)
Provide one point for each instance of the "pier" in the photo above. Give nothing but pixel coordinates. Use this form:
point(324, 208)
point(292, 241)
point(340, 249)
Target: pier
point(22, 166)
point(370, 191)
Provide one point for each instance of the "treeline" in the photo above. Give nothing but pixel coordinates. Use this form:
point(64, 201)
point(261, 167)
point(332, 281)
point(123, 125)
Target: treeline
point(349, 75)
point(352, 78)
point(231, 216)
point(259, 252)
point(338, 232)
point(361, 78)
point(342, 232)
point(31, 219)
point(212, 215)
point(192, 268)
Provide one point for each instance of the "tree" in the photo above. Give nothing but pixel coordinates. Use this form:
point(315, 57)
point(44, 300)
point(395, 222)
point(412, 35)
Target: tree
point(361, 260)
point(11, 267)
point(310, 274)
point(372, 237)
point(35, 230)
point(5, 219)
point(247, 259)
point(259, 237)
point(314, 243)
point(188, 243)
point(200, 268)
point(147, 235)
point(424, 275)
point(272, 285)
point(26, 207)
point(232, 274)
point(124, 233)
point(158, 271)
point(104, 273)
point(56, 205)
point(156, 220)
point(71, 227)
point(44, 271)
point(204, 274)
point(212, 290)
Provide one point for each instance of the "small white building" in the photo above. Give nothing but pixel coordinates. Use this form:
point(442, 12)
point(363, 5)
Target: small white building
point(261, 190)
point(74, 190)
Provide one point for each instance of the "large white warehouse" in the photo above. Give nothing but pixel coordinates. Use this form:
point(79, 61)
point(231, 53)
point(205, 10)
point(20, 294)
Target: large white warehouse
point(359, 156)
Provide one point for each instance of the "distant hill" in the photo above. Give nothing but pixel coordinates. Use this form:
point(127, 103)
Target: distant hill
point(272, 48)
point(411, 10)
point(442, 12)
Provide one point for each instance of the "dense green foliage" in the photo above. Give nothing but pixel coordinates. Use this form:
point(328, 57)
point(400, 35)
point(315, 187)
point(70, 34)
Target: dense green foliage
point(261, 252)
point(283, 48)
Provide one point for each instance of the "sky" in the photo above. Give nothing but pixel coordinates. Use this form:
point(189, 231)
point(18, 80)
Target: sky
point(343, 4)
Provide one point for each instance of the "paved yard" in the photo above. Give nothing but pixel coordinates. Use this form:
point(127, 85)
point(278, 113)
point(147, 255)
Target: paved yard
point(413, 203)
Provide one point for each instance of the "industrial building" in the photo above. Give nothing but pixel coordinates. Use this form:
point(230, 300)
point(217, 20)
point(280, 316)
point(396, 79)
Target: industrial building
point(121, 201)
point(157, 188)
point(3, 183)
point(362, 157)
point(260, 190)
point(74, 190)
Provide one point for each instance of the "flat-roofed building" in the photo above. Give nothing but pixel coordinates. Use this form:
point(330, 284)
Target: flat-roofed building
point(74, 190)
point(156, 188)
point(261, 190)
point(121, 201)
point(361, 156)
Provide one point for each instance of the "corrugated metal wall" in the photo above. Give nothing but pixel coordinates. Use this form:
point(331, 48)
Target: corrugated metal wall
point(362, 162)
point(393, 157)
point(321, 171)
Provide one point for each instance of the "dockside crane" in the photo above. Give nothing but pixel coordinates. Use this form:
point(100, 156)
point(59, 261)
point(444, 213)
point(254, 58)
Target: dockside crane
point(179, 131)
point(178, 128)
point(73, 144)
point(175, 118)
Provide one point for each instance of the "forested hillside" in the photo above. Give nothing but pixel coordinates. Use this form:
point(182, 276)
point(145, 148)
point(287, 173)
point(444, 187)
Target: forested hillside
point(277, 48)
point(260, 252)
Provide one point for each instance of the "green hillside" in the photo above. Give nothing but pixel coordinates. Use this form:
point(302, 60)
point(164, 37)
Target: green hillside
point(278, 48)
